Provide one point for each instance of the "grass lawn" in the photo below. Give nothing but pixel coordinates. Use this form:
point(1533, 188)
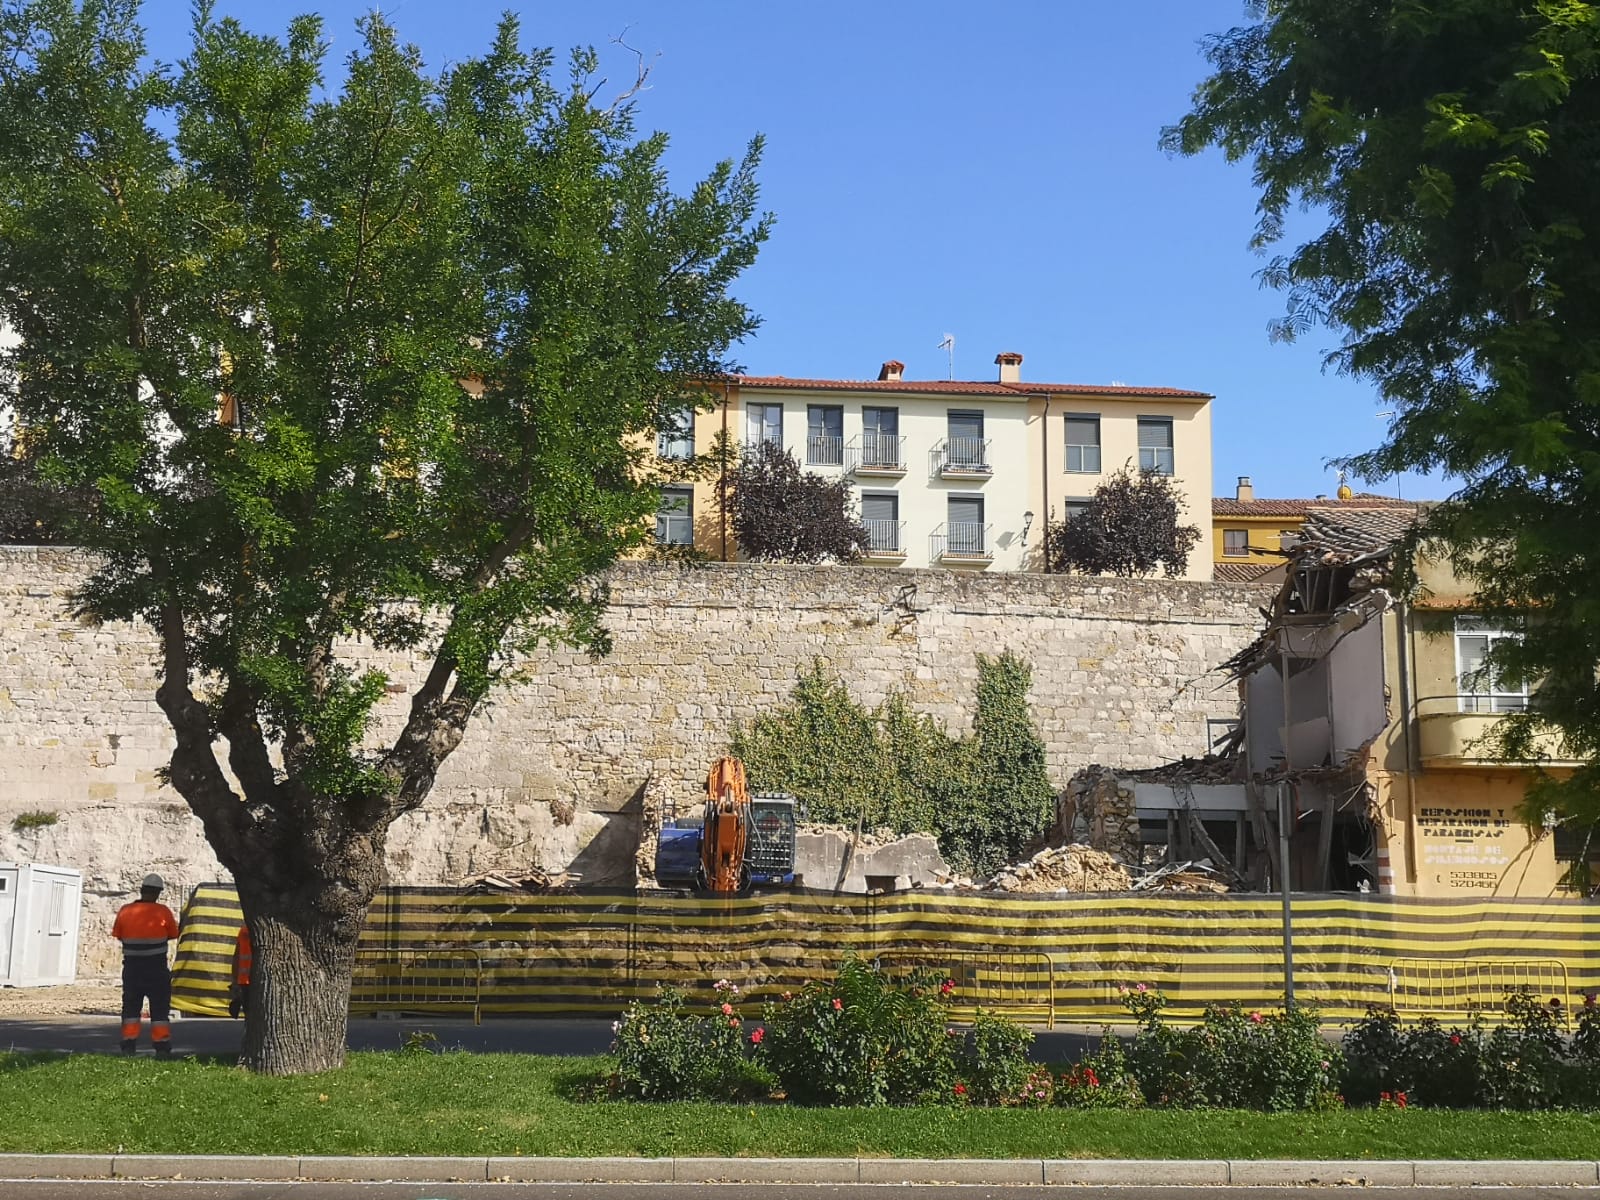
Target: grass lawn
point(475, 1104)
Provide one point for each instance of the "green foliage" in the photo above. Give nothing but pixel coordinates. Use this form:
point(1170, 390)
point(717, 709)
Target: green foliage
point(376, 362)
point(1450, 147)
point(996, 1069)
point(1275, 1062)
point(864, 1037)
point(985, 797)
point(1525, 1063)
point(1102, 1079)
point(1128, 528)
point(38, 818)
point(666, 1052)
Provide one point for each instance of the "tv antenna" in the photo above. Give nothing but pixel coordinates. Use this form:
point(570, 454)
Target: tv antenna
point(948, 345)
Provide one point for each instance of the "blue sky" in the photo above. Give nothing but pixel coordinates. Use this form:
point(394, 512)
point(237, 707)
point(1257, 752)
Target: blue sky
point(988, 170)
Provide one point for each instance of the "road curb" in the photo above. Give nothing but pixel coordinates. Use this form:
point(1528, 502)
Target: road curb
point(1077, 1172)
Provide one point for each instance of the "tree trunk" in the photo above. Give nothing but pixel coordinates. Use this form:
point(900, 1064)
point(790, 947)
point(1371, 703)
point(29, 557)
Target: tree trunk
point(300, 987)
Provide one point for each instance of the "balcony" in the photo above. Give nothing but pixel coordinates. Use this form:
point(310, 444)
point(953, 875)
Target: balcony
point(961, 458)
point(823, 451)
point(885, 540)
point(1449, 738)
point(881, 454)
point(961, 543)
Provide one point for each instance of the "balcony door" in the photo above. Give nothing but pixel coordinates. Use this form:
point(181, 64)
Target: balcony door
point(965, 514)
point(965, 431)
point(880, 437)
point(880, 513)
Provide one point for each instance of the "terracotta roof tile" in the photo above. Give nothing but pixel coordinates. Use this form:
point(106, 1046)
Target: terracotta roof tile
point(957, 387)
point(1224, 506)
point(1242, 572)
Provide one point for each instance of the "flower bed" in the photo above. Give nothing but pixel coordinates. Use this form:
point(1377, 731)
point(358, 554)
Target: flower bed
point(870, 1038)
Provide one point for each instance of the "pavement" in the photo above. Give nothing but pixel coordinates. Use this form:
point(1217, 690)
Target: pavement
point(681, 1174)
point(210, 1036)
point(195, 1190)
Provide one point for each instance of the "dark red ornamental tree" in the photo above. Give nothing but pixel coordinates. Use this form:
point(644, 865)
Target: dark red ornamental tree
point(1129, 527)
point(323, 268)
point(783, 513)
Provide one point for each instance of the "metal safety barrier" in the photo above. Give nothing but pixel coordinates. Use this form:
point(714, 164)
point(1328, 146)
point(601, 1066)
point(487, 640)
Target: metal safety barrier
point(1018, 983)
point(418, 979)
point(1474, 986)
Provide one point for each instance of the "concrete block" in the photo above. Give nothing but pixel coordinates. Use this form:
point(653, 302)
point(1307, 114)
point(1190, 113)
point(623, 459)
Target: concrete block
point(581, 1170)
point(420, 1170)
point(1524, 1172)
point(205, 1166)
point(1297, 1173)
point(1161, 1172)
point(55, 1166)
point(765, 1170)
point(952, 1170)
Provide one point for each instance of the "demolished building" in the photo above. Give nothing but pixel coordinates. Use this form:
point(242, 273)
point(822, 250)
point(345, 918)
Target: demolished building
point(1363, 712)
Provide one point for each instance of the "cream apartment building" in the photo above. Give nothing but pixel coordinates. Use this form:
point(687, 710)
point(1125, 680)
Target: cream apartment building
point(949, 473)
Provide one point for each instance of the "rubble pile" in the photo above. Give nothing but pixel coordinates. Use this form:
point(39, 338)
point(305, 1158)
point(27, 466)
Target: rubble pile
point(1074, 868)
point(1184, 877)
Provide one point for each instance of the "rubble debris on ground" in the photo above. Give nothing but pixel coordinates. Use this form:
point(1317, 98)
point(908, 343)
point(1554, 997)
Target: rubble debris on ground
point(1071, 868)
point(1198, 876)
point(521, 881)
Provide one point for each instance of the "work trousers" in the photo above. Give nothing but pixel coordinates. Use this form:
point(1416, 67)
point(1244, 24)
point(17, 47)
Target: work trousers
point(147, 979)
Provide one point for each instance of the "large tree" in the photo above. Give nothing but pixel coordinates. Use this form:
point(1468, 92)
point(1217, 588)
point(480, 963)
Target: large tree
point(781, 512)
point(1129, 527)
point(442, 315)
point(1453, 149)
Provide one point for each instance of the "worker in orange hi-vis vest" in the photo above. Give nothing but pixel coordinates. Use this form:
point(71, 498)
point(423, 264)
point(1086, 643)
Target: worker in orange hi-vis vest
point(144, 928)
point(244, 959)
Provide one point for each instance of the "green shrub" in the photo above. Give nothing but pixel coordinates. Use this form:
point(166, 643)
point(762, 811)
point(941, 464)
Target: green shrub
point(1524, 1060)
point(39, 818)
point(994, 1057)
point(864, 1038)
point(665, 1052)
point(986, 798)
point(1235, 1058)
point(1375, 1056)
point(1101, 1080)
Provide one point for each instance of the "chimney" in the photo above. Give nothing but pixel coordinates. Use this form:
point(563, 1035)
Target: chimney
point(1010, 363)
point(890, 371)
point(1244, 491)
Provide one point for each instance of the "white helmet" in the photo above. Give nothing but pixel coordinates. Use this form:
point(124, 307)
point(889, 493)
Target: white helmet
point(153, 883)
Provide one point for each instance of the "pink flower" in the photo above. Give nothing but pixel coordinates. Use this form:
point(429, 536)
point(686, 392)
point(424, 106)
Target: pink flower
point(727, 1010)
point(1400, 1099)
point(733, 1022)
point(1141, 989)
point(756, 1035)
point(788, 995)
point(961, 1089)
point(948, 986)
point(838, 1004)
point(1455, 1039)
point(1257, 1018)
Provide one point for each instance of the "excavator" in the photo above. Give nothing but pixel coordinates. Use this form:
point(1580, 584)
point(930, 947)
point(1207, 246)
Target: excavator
point(739, 841)
point(726, 832)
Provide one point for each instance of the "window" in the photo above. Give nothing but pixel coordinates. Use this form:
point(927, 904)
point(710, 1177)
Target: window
point(1236, 543)
point(1219, 731)
point(1155, 445)
point(676, 438)
point(56, 914)
point(824, 435)
point(966, 525)
point(1481, 689)
point(880, 513)
point(1074, 508)
point(675, 517)
point(880, 437)
point(764, 423)
point(965, 433)
point(1083, 444)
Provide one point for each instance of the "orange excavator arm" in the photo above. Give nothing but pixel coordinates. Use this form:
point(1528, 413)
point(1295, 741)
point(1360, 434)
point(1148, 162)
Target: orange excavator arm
point(727, 828)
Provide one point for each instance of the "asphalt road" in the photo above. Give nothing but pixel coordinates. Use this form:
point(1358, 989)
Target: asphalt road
point(74, 1189)
point(507, 1035)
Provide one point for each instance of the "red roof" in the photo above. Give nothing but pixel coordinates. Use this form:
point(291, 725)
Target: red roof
point(1243, 572)
point(956, 387)
point(1225, 506)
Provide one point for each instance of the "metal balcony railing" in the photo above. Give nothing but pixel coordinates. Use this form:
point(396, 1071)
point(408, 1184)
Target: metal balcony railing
point(962, 456)
point(877, 454)
point(885, 537)
point(824, 451)
point(960, 539)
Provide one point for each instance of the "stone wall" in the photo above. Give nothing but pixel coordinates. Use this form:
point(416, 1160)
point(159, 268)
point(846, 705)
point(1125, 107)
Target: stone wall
point(552, 773)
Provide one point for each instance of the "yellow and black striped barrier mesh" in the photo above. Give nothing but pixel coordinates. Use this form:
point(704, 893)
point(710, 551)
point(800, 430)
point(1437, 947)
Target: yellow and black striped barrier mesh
point(1039, 957)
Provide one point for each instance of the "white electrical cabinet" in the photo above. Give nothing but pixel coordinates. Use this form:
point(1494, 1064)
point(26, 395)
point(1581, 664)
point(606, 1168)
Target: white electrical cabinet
point(39, 911)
